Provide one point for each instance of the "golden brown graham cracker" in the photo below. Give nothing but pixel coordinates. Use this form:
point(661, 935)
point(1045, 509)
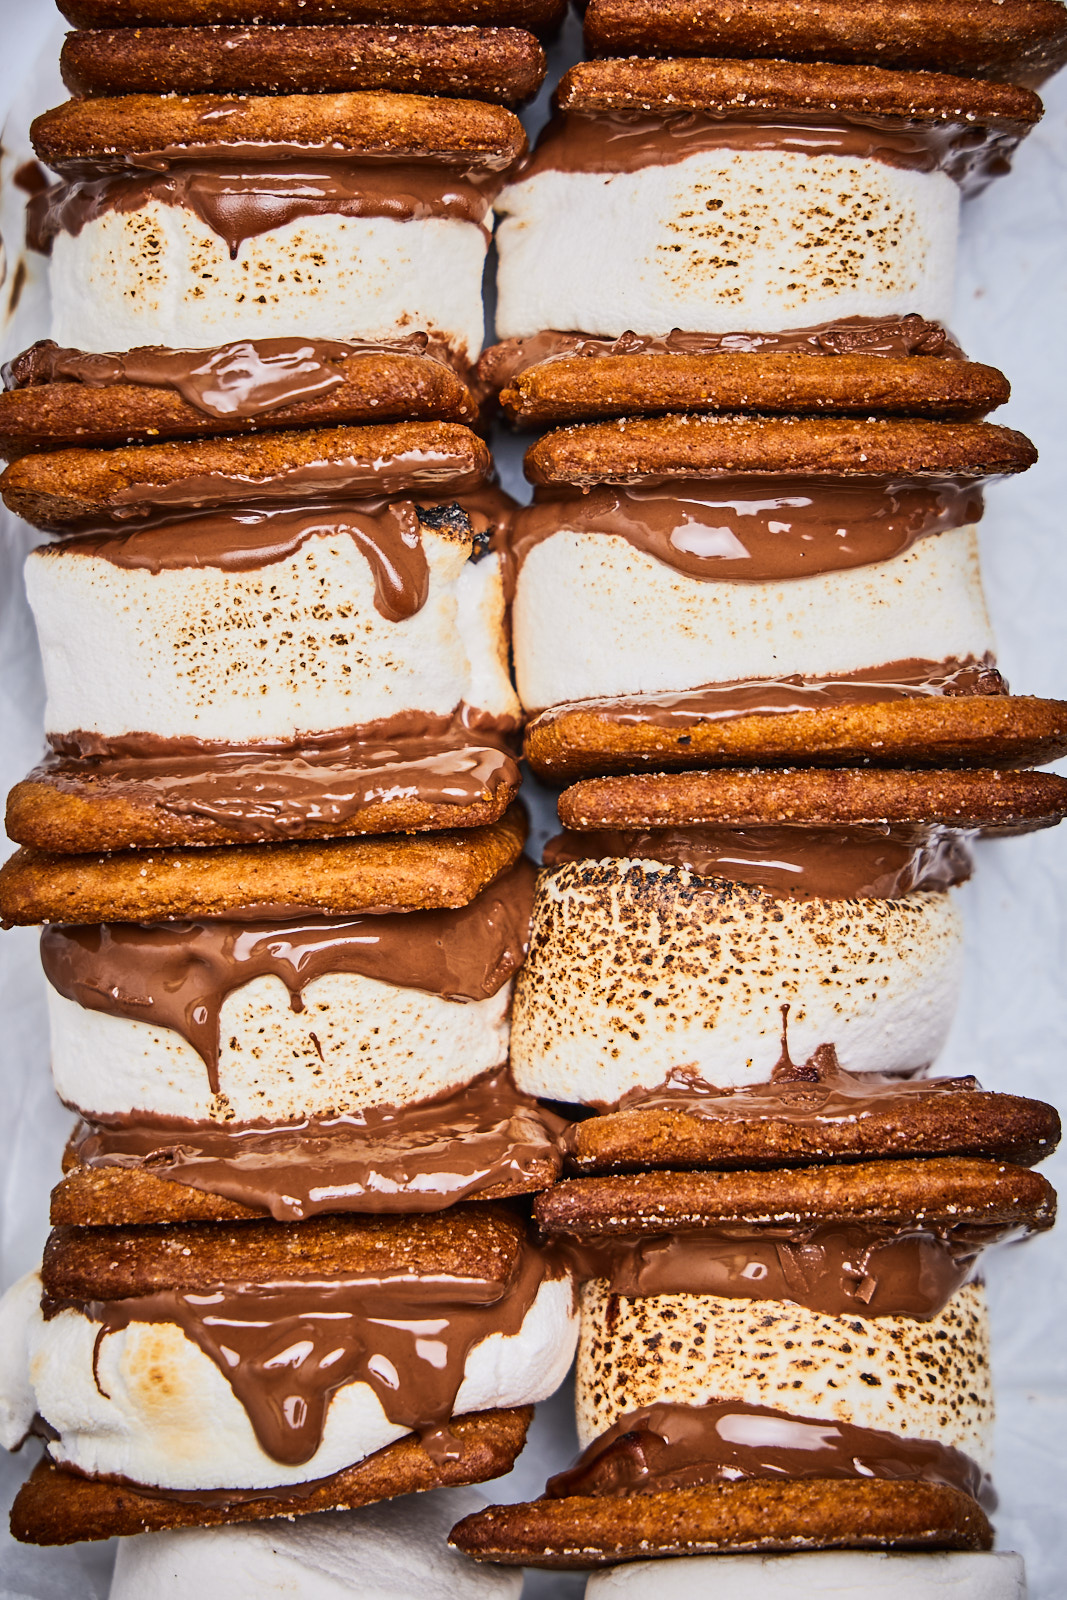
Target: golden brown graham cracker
point(1002, 731)
point(1020, 41)
point(681, 85)
point(760, 1514)
point(961, 1122)
point(990, 800)
point(366, 124)
point(334, 878)
point(696, 446)
point(64, 487)
point(584, 388)
point(538, 15)
point(375, 387)
point(499, 64)
point(944, 1191)
point(56, 1507)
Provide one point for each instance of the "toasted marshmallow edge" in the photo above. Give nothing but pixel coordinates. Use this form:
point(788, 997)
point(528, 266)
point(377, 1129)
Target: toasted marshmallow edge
point(625, 981)
point(397, 1550)
point(816, 1575)
point(158, 275)
point(357, 1042)
point(917, 1380)
point(725, 240)
point(594, 616)
point(294, 647)
point(164, 1415)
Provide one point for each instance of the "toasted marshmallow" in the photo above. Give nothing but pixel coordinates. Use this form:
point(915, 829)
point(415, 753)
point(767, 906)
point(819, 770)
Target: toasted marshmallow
point(595, 617)
point(394, 1551)
point(159, 1411)
point(725, 239)
point(630, 974)
point(918, 1380)
point(158, 275)
point(357, 1042)
point(817, 1574)
point(293, 647)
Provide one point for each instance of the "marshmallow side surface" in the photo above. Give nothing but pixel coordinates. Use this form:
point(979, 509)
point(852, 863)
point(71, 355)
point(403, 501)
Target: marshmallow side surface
point(818, 1575)
point(722, 241)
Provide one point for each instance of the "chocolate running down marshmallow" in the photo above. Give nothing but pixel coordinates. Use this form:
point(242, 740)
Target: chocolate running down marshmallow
point(305, 637)
point(157, 1359)
point(190, 222)
point(715, 196)
point(820, 1365)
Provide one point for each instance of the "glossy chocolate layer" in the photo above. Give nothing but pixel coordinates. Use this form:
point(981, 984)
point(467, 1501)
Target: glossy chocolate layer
point(286, 1347)
point(419, 1157)
point(771, 697)
point(668, 1446)
point(753, 529)
point(626, 141)
point(259, 189)
point(825, 863)
point(273, 791)
point(241, 380)
point(895, 337)
point(178, 974)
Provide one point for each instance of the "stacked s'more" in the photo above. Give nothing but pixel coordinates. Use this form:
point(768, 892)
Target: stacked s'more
point(275, 844)
point(750, 634)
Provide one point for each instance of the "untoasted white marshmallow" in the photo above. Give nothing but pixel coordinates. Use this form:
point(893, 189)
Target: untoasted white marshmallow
point(918, 1380)
point(158, 275)
point(294, 647)
point(817, 1575)
point(163, 1414)
point(726, 239)
point(594, 616)
point(357, 1042)
point(394, 1551)
point(630, 975)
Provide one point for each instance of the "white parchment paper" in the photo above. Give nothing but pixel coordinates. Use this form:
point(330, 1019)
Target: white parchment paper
point(1012, 1025)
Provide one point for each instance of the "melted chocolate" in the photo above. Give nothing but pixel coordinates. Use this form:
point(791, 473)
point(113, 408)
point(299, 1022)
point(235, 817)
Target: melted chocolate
point(280, 791)
point(895, 337)
point(771, 697)
point(420, 1157)
point(178, 974)
point(286, 1348)
point(881, 863)
point(667, 1446)
point(626, 141)
point(245, 190)
point(754, 529)
point(241, 380)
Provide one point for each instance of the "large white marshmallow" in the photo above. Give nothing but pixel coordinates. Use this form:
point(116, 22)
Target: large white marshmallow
point(358, 1042)
point(817, 1575)
point(158, 275)
point(164, 1415)
point(293, 647)
point(725, 239)
point(594, 616)
point(394, 1551)
point(630, 975)
point(917, 1380)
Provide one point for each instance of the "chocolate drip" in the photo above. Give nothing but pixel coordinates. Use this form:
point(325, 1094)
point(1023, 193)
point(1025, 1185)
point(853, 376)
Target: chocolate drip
point(241, 380)
point(251, 190)
point(667, 1446)
point(286, 1348)
point(627, 141)
point(881, 863)
point(273, 791)
point(754, 529)
point(895, 337)
point(420, 1157)
point(771, 697)
point(178, 974)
